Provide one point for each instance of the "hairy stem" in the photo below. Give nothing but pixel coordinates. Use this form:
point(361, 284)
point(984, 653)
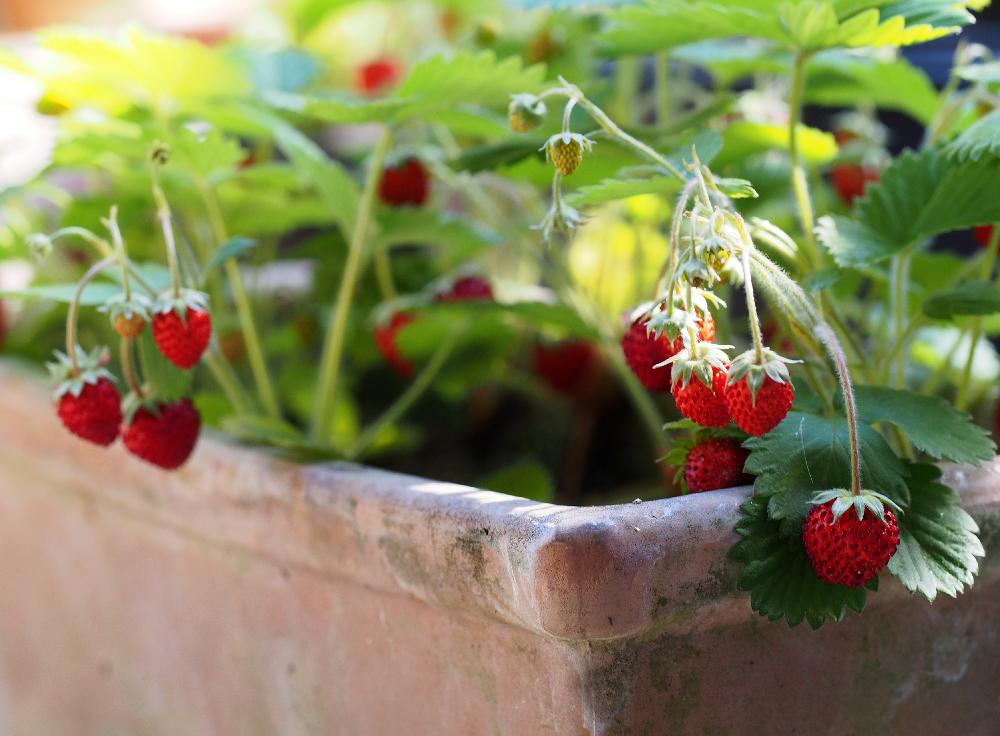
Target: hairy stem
point(829, 339)
point(119, 244)
point(752, 316)
point(128, 368)
point(164, 216)
point(333, 344)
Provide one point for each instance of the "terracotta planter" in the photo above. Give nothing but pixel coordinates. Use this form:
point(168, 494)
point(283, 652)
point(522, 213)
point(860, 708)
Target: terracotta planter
point(245, 595)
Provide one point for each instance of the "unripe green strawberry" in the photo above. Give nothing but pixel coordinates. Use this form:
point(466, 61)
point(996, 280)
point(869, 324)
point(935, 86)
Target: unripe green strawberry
point(525, 112)
point(565, 151)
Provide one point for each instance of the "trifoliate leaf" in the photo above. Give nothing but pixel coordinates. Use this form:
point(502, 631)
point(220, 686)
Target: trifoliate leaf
point(808, 453)
point(929, 422)
point(971, 298)
point(938, 542)
point(204, 156)
point(779, 576)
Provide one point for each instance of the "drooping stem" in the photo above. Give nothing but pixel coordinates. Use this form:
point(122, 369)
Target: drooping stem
point(244, 311)
point(74, 310)
point(128, 368)
point(164, 216)
point(413, 392)
point(612, 129)
point(119, 242)
point(752, 316)
point(800, 183)
point(829, 339)
point(333, 345)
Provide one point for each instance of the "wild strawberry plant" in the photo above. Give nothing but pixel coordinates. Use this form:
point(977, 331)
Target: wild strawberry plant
point(764, 293)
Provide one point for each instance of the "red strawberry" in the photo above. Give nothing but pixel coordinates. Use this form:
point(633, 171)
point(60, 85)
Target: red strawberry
point(182, 340)
point(466, 288)
point(701, 404)
point(759, 415)
point(95, 414)
point(376, 76)
point(850, 180)
point(849, 551)
point(567, 367)
point(643, 351)
point(407, 184)
point(385, 339)
point(716, 464)
point(982, 234)
point(164, 437)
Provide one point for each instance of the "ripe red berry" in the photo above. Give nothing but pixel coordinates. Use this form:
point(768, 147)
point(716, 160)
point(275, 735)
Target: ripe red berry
point(166, 437)
point(407, 184)
point(182, 340)
point(716, 464)
point(701, 404)
point(643, 351)
point(982, 234)
point(849, 551)
point(567, 367)
point(759, 416)
point(376, 76)
point(385, 339)
point(467, 288)
point(850, 180)
point(95, 415)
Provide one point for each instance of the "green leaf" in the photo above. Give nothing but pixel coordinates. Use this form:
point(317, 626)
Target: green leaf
point(970, 298)
point(920, 195)
point(494, 155)
point(419, 226)
point(232, 248)
point(342, 108)
point(744, 138)
point(336, 186)
point(938, 542)
point(469, 79)
point(842, 79)
point(530, 479)
point(929, 422)
point(809, 25)
point(982, 138)
point(779, 576)
point(205, 156)
point(807, 453)
point(94, 294)
point(168, 382)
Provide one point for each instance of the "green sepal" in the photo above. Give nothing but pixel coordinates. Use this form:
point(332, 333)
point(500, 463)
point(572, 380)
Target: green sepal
point(91, 369)
point(118, 306)
point(746, 366)
point(182, 302)
point(844, 500)
point(710, 357)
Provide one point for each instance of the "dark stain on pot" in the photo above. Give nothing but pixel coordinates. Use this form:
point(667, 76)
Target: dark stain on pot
point(608, 686)
point(404, 560)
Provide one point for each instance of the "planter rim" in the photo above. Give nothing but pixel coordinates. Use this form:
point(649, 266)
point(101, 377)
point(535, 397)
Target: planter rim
point(575, 573)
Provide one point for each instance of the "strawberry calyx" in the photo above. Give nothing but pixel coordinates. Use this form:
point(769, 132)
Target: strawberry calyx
point(134, 401)
point(757, 371)
point(700, 363)
point(844, 500)
point(565, 150)
point(181, 302)
point(128, 315)
point(89, 369)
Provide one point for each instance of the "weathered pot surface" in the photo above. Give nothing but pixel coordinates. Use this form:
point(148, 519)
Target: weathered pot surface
point(247, 595)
